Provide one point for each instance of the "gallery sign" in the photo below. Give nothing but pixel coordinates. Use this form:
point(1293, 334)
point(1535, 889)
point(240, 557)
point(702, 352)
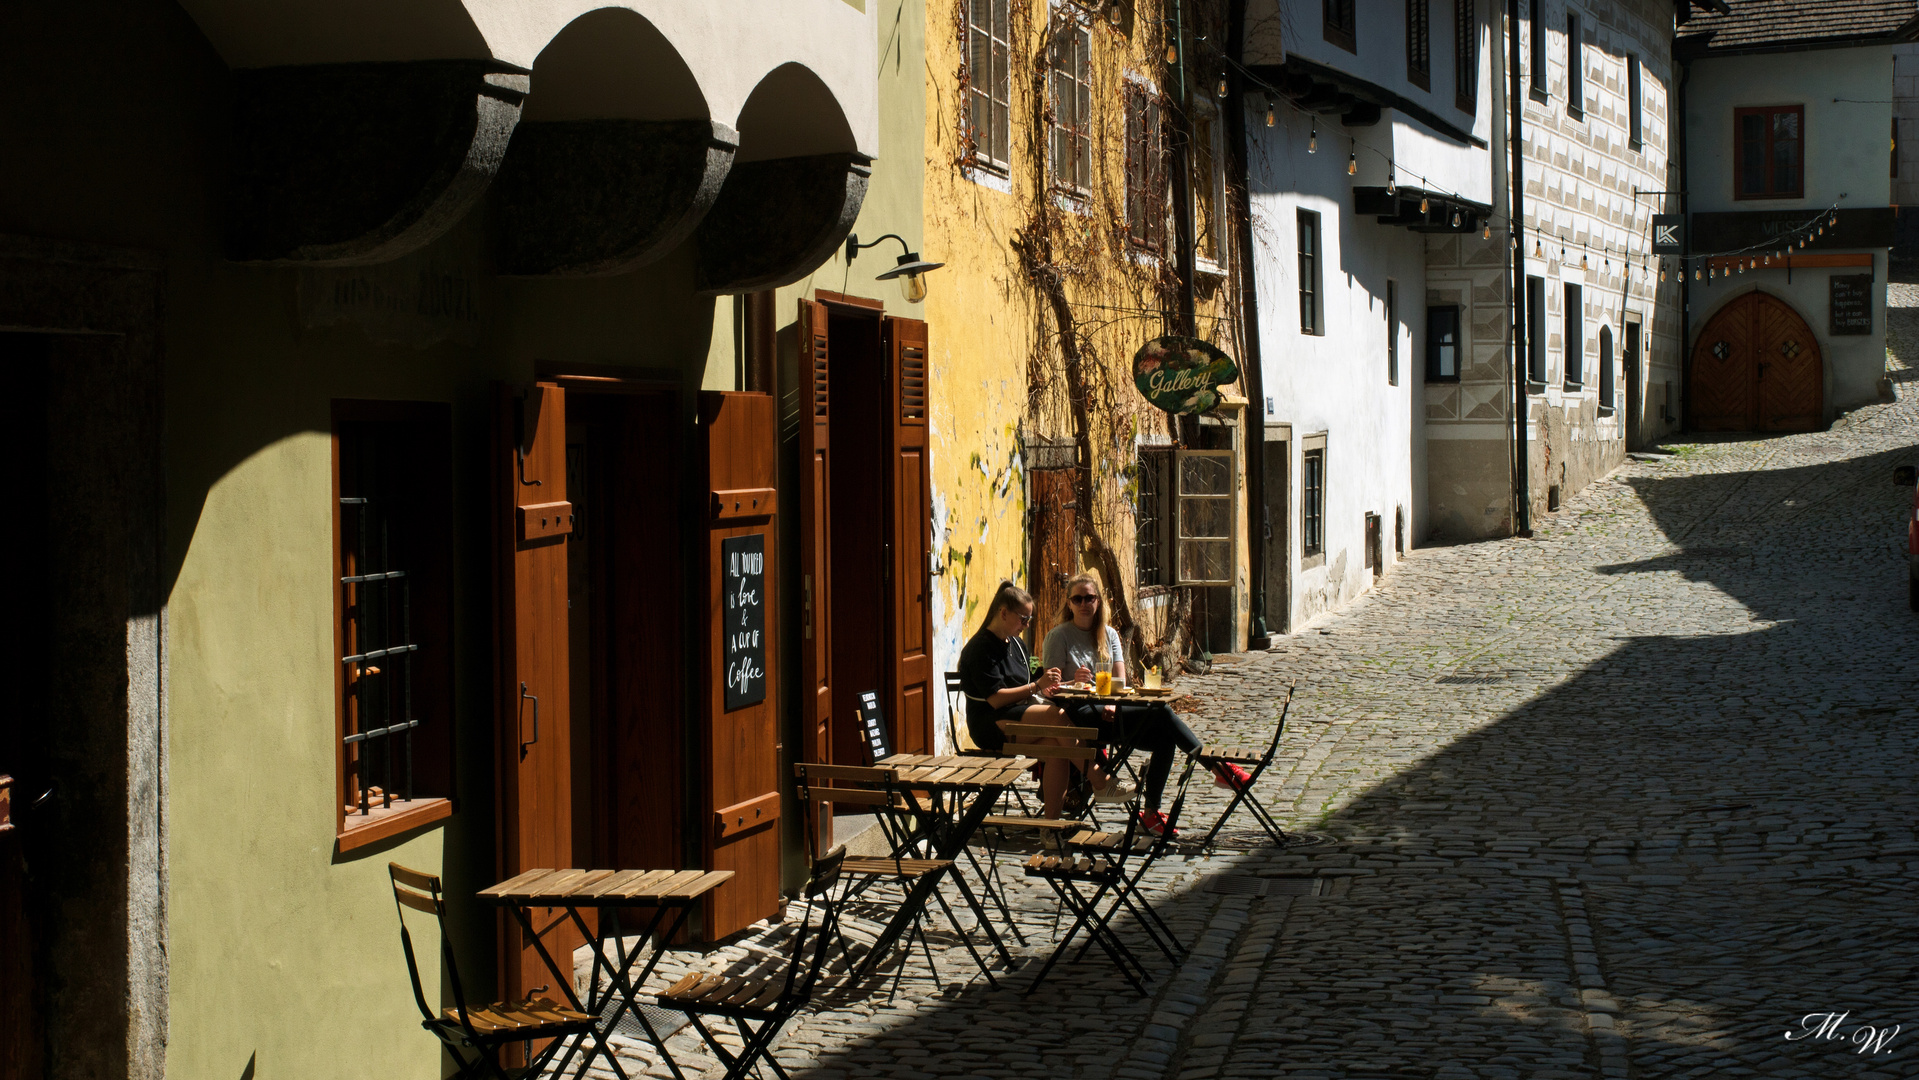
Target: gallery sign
point(1182, 374)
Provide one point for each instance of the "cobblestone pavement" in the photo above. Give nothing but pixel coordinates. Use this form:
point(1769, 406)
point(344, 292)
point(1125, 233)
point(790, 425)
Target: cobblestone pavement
point(1671, 815)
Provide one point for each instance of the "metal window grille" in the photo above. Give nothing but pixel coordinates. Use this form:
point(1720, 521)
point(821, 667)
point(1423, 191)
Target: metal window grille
point(1072, 79)
point(989, 89)
point(1312, 502)
point(379, 662)
point(1152, 513)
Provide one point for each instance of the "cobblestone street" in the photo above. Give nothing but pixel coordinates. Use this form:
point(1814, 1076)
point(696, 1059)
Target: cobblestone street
point(1630, 798)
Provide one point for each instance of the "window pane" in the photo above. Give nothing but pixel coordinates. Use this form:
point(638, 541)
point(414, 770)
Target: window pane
point(1205, 475)
point(1205, 517)
point(1752, 154)
point(1206, 561)
point(1785, 125)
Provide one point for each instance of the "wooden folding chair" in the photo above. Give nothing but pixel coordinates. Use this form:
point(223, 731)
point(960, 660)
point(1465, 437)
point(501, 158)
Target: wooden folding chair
point(863, 871)
point(474, 1036)
point(1213, 757)
point(759, 1008)
point(1082, 882)
point(1147, 850)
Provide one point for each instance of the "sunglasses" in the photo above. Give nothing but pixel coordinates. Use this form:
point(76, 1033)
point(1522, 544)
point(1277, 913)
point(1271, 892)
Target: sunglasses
point(1083, 598)
point(1023, 619)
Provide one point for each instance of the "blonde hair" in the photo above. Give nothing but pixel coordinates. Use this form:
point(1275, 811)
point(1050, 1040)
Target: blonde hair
point(1099, 610)
point(1008, 595)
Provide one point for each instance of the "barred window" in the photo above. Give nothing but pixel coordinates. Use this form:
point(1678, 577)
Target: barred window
point(1153, 516)
point(1145, 170)
point(989, 88)
point(1340, 23)
point(1071, 163)
point(393, 617)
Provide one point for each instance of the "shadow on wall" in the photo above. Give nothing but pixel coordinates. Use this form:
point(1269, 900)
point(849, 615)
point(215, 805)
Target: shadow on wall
point(1631, 834)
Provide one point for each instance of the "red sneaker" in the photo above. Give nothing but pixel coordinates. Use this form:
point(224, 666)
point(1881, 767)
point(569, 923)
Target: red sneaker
point(1231, 777)
point(1154, 822)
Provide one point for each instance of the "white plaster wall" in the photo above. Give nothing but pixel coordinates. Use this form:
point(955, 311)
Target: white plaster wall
point(1905, 105)
point(1847, 150)
point(729, 45)
point(1337, 383)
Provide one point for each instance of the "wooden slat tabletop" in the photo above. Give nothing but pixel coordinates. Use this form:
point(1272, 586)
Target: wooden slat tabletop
point(606, 888)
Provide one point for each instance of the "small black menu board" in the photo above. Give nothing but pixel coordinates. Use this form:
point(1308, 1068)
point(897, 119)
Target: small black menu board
point(1851, 311)
point(879, 746)
point(743, 619)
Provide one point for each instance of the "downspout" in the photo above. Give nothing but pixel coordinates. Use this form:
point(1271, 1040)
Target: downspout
point(1253, 417)
point(1522, 466)
point(1182, 148)
point(1683, 413)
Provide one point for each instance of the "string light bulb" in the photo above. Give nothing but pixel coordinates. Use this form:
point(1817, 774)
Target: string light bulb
point(1834, 220)
point(1583, 264)
point(1488, 234)
point(1695, 273)
point(1422, 204)
point(1220, 88)
point(1272, 115)
point(1352, 162)
point(1115, 12)
point(1539, 251)
point(1662, 271)
point(1172, 52)
point(1312, 140)
point(1455, 219)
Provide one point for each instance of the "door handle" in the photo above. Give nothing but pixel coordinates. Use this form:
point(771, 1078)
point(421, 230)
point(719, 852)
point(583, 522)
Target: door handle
point(535, 698)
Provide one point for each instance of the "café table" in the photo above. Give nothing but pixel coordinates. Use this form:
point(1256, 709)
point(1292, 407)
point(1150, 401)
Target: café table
point(667, 892)
point(930, 790)
point(1131, 696)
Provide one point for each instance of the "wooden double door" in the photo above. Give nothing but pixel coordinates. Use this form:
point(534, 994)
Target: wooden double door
point(865, 530)
point(1757, 367)
point(618, 745)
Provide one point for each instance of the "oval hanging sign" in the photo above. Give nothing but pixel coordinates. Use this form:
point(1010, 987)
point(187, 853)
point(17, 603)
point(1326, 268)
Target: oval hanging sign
point(1182, 374)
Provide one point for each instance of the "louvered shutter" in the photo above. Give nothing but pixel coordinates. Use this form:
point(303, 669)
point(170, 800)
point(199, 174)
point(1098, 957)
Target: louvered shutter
point(815, 502)
point(909, 501)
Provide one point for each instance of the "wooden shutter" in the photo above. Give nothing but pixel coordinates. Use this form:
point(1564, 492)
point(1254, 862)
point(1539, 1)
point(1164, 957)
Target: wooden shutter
point(815, 502)
point(535, 791)
point(741, 745)
point(910, 505)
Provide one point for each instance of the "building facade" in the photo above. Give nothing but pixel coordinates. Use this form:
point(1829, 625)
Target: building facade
point(1790, 164)
point(406, 381)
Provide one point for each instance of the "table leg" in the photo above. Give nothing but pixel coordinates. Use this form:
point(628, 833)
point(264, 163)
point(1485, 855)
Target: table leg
point(565, 979)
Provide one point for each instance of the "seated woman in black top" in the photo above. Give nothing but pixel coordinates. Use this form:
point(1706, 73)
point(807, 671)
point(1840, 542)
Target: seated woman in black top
point(995, 671)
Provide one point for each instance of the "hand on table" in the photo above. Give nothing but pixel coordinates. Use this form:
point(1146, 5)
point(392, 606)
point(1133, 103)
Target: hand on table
point(1048, 681)
point(1084, 674)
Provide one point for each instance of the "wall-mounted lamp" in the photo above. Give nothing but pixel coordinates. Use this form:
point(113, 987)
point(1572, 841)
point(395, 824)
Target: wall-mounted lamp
point(910, 270)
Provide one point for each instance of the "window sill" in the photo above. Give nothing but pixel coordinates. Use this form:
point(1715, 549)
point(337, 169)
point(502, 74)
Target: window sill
point(1209, 267)
point(991, 177)
point(1317, 558)
point(1605, 411)
point(1768, 195)
point(1072, 199)
point(1539, 95)
point(380, 824)
point(1535, 388)
point(1574, 387)
point(1574, 112)
point(1445, 380)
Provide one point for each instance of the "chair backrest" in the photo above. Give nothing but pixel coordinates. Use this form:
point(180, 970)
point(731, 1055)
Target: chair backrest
point(874, 738)
point(818, 891)
point(811, 790)
point(421, 892)
point(956, 709)
point(1280, 727)
point(1020, 737)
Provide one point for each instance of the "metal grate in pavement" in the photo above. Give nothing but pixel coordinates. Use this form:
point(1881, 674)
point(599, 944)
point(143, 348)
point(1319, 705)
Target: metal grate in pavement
point(1247, 885)
point(1471, 680)
point(665, 1021)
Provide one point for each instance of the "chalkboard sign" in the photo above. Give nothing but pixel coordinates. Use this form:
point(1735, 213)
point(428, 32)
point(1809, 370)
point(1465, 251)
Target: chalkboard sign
point(1851, 304)
point(879, 747)
point(743, 619)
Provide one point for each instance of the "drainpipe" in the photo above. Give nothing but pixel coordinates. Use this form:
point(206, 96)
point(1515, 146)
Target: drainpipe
point(1522, 466)
point(1685, 279)
point(1253, 418)
point(1183, 180)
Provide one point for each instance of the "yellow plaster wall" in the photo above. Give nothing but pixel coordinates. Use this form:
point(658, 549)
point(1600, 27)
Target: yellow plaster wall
point(994, 368)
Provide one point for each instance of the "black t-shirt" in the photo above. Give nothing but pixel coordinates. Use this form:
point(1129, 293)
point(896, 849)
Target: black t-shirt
point(988, 665)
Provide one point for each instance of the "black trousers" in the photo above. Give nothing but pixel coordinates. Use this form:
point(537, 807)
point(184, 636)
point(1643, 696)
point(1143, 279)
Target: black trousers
point(1155, 728)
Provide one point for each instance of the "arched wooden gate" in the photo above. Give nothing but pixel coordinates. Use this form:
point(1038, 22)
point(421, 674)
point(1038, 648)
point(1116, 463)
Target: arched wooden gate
point(1757, 367)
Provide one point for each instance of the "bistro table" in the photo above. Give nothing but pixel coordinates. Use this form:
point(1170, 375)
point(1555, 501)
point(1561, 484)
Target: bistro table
point(929, 787)
point(1122, 749)
point(672, 892)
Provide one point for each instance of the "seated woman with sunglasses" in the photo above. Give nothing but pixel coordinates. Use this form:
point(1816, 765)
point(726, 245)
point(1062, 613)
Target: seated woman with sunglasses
point(1081, 639)
point(995, 671)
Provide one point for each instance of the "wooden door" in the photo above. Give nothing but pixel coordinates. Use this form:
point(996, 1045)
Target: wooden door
point(816, 585)
point(1055, 516)
point(1633, 356)
point(909, 506)
point(741, 751)
point(1757, 367)
point(535, 791)
point(1274, 537)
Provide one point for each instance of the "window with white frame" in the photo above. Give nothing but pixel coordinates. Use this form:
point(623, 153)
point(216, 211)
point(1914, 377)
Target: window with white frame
point(1205, 479)
point(1070, 160)
point(989, 84)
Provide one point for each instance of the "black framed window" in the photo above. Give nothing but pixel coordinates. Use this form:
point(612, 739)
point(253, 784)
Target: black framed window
point(1536, 331)
point(1635, 104)
point(1536, 48)
point(1770, 141)
point(1419, 43)
point(1309, 280)
point(1145, 170)
point(1442, 343)
point(989, 84)
point(1340, 23)
point(1465, 56)
point(1605, 368)
point(1575, 68)
point(1392, 333)
point(1312, 501)
point(1575, 336)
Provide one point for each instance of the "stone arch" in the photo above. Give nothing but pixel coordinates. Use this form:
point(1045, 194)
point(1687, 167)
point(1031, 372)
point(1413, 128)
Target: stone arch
point(616, 160)
point(794, 192)
point(1756, 366)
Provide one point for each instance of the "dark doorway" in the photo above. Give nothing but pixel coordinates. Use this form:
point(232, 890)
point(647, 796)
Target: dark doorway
point(625, 615)
point(1633, 355)
point(1273, 535)
point(1055, 556)
point(858, 525)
